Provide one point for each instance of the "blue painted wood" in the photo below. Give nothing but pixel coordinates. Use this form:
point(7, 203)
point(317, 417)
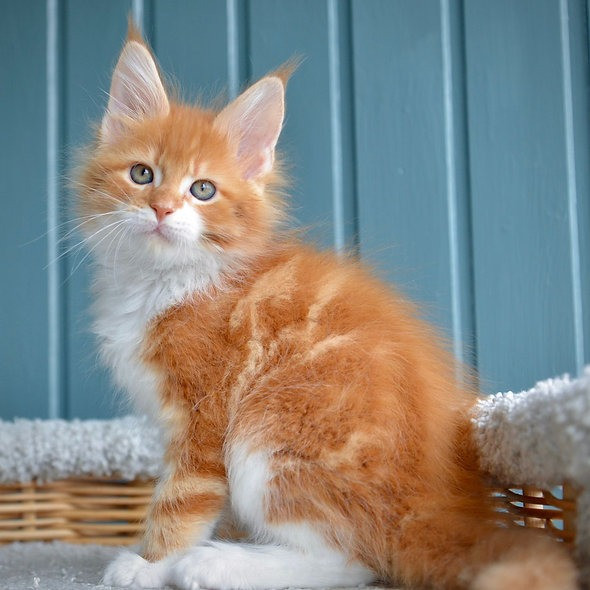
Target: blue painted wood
point(86, 79)
point(342, 138)
point(278, 31)
point(462, 316)
point(55, 299)
point(238, 67)
point(190, 41)
point(23, 244)
point(449, 138)
point(580, 126)
point(517, 131)
point(402, 165)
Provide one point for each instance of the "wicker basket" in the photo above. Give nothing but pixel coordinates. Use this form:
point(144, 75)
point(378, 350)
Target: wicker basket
point(554, 510)
point(112, 512)
point(107, 512)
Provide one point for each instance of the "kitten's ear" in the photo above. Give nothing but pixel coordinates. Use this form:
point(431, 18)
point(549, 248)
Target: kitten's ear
point(253, 123)
point(136, 91)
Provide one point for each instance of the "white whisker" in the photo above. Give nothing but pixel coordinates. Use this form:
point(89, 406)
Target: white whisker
point(122, 222)
point(122, 234)
point(89, 218)
point(60, 226)
point(83, 241)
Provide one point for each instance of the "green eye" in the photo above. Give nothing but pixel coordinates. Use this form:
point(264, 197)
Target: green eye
point(203, 190)
point(141, 174)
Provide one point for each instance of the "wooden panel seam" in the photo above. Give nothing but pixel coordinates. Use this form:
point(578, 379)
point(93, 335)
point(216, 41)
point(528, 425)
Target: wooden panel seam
point(237, 45)
point(572, 196)
point(457, 188)
point(54, 283)
point(342, 127)
point(137, 12)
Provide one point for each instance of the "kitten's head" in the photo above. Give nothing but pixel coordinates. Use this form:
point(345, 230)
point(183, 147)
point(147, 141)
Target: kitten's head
point(167, 184)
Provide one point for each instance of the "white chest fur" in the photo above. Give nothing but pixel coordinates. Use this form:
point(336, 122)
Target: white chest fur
point(126, 303)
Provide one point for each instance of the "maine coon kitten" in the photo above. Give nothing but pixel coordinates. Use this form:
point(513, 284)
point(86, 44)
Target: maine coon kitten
point(295, 391)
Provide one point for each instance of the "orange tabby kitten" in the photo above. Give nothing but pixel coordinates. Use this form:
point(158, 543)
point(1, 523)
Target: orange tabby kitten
point(296, 392)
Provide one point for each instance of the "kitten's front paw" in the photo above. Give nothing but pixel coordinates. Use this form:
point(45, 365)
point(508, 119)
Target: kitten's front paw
point(203, 567)
point(130, 570)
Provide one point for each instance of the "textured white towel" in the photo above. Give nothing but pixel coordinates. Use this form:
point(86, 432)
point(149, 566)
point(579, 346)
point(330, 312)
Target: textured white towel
point(56, 449)
point(540, 436)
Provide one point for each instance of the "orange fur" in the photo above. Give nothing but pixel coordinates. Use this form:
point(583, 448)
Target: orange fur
point(309, 357)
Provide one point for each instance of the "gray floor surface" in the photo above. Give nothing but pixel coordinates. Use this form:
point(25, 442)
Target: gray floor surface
point(54, 566)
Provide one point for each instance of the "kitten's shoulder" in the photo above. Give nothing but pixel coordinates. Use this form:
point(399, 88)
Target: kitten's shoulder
point(297, 277)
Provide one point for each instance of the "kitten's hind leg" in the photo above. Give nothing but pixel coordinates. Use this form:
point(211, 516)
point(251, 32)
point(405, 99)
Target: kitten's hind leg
point(242, 566)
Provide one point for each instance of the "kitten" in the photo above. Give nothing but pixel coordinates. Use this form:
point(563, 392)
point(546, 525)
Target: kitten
point(295, 391)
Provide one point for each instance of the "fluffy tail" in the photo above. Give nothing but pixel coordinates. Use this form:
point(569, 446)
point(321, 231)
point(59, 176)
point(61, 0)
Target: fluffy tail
point(452, 539)
point(446, 549)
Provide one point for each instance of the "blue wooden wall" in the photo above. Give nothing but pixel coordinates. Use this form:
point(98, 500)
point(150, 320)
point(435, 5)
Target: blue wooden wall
point(448, 141)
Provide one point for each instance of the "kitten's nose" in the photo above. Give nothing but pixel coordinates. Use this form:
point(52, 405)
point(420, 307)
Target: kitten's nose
point(161, 210)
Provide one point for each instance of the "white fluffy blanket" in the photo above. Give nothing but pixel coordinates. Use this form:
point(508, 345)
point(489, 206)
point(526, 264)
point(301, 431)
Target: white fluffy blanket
point(540, 436)
point(57, 449)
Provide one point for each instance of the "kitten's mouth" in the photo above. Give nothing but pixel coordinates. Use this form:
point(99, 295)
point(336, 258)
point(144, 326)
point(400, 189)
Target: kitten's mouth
point(158, 233)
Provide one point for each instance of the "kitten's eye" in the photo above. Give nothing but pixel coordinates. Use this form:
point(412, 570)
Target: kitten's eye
point(203, 190)
point(141, 174)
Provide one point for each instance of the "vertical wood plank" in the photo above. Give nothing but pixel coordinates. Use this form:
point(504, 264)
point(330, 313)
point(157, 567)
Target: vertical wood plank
point(571, 182)
point(342, 125)
point(579, 54)
point(519, 180)
point(138, 13)
point(92, 42)
point(190, 41)
point(23, 252)
point(278, 31)
point(55, 291)
point(238, 70)
point(457, 183)
point(409, 129)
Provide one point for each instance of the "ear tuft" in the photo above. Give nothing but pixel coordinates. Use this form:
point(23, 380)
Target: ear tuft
point(285, 71)
point(134, 31)
point(253, 123)
point(136, 91)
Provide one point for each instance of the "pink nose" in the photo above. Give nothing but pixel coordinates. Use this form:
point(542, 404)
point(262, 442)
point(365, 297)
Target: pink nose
point(161, 211)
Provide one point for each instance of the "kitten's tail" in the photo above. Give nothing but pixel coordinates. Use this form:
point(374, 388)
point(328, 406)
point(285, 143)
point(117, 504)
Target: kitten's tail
point(448, 550)
point(454, 540)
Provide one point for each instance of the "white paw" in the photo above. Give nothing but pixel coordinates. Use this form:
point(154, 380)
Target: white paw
point(130, 570)
point(206, 567)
